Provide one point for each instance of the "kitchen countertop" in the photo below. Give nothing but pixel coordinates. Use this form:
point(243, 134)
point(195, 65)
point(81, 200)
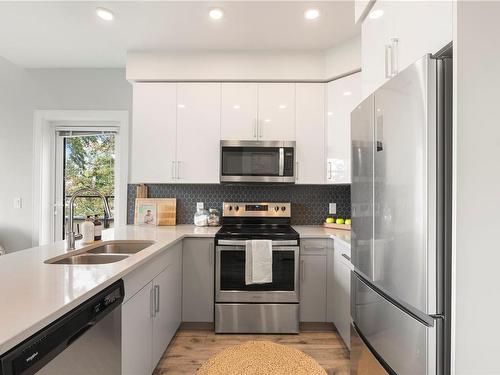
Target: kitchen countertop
point(319, 231)
point(34, 293)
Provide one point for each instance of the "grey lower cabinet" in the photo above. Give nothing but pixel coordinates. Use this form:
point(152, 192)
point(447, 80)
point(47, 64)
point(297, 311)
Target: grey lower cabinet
point(313, 280)
point(152, 315)
point(198, 280)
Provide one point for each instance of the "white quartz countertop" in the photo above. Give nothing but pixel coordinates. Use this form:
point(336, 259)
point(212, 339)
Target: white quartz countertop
point(318, 231)
point(33, 294)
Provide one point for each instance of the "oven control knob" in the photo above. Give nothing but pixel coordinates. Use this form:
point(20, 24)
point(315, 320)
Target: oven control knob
point(277, 208)
point(237, 208)
point(230, 208)
point(283, 208)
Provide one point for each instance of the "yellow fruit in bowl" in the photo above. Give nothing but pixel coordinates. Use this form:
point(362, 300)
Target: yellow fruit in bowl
point(340, 221)
point(330, 220)
point(348, 221)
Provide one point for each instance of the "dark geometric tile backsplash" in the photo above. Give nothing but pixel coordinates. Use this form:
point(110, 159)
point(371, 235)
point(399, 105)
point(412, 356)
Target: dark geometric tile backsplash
point(309, 202)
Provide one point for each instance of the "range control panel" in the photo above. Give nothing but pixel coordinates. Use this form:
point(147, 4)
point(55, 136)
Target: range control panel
point(246, 209)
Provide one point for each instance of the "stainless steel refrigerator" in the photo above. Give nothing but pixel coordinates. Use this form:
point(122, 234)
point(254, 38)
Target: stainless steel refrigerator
point(401, 209)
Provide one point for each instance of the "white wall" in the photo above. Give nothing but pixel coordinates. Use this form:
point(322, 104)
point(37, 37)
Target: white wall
point(224, 65)
point(17, 97)
point(477, 188)
point(21, 93)
point(244, 66)
point(343, 58)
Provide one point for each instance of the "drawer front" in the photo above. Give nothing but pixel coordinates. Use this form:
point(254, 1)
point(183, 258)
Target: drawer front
point(406, 344)
point(136, 280)
point(313, 247)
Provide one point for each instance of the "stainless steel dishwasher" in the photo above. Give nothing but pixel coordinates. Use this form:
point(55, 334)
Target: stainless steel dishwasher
point(86, 340)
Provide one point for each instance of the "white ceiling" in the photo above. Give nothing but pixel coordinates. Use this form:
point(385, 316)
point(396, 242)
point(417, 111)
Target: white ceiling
point(68, 34)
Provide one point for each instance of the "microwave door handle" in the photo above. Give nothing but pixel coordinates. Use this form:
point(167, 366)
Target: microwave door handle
point(282, 161)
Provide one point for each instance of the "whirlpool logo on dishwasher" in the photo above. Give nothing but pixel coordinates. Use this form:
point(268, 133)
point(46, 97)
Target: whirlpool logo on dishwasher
point(32, 357)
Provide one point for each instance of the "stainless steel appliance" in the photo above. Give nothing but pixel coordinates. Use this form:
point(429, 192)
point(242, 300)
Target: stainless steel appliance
point(267, 308)
point(257, 161)
point(87, 340)
point(401, 209)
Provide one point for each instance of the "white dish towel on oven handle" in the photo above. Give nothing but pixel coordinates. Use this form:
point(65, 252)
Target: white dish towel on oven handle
point(258, 262)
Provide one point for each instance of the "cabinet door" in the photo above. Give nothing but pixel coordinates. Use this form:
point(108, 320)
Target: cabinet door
point(375, 35)
point(137, 331)
point(153, 133)
point(343, 95)
point(342, 314)
point(417, 39)
point(198, 132)
point(198, 280)
point(276, 112)
point(239, 111)
point(168, 302)
point(310, 133)
point(313, 288)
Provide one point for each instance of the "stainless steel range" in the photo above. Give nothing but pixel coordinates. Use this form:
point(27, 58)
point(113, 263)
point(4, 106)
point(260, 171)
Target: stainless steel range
point(265, 308)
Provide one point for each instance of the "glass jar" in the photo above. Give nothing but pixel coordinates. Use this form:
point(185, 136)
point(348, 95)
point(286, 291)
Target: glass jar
point(201, 218)
point(213, 217)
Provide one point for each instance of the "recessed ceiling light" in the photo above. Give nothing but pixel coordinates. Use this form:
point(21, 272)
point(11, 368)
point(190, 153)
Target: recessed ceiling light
point(347, 93)
point(216, 13)
point(267, 120)
point(181, 106)
point(311, 14)
point(282, 106)
point(236, 106)
point(376, 14)
point(330, 113)
point(105, 14)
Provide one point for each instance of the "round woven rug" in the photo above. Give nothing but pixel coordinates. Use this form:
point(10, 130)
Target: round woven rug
point(260, 357)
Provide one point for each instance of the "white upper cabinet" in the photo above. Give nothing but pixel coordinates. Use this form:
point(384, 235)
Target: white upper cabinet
point(310, 133)
point(198, 132)
point(239, 111)
point(422, 27)
point(403, 33)
point(276, 119)
point(153, 132)
point(342, 96)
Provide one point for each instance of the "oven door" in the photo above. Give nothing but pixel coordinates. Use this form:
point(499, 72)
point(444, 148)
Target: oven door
point(230, 277)
point(257, 161)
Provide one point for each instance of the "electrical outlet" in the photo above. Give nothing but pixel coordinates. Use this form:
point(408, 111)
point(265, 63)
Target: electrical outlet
point(200, 205)
point(332, 208)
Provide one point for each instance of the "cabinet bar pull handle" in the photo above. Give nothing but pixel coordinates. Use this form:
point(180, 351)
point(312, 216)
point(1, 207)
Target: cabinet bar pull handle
point(388, 59)
point(346, 256)
point(394, 56)
point(178, 168)
point(255, 129)
point(157, 299)
point(296, 171)
point(152, 302)
point(302, 271)
point(173, 170)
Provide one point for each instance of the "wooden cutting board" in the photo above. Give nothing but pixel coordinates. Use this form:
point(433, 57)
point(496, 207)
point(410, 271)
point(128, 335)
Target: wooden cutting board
point(337, 226)
point(166, 210)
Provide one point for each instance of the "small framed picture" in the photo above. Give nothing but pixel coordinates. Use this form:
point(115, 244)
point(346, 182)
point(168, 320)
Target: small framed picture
point(145, 212)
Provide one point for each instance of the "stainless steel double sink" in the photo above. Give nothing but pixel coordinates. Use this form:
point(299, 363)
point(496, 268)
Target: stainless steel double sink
point(103, 253)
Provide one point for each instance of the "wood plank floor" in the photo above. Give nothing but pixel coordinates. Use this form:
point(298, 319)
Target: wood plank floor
point(190, 348)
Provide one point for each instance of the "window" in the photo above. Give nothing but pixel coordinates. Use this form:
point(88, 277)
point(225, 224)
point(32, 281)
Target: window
point(85, 158)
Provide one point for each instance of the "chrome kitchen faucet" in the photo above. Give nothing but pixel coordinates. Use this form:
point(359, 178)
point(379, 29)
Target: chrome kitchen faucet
point(71, 236)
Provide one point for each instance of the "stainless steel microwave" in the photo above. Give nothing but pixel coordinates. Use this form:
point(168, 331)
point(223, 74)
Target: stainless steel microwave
point(257, 161)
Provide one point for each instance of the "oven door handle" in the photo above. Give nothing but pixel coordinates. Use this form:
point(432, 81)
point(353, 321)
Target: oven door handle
point(243, 243)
